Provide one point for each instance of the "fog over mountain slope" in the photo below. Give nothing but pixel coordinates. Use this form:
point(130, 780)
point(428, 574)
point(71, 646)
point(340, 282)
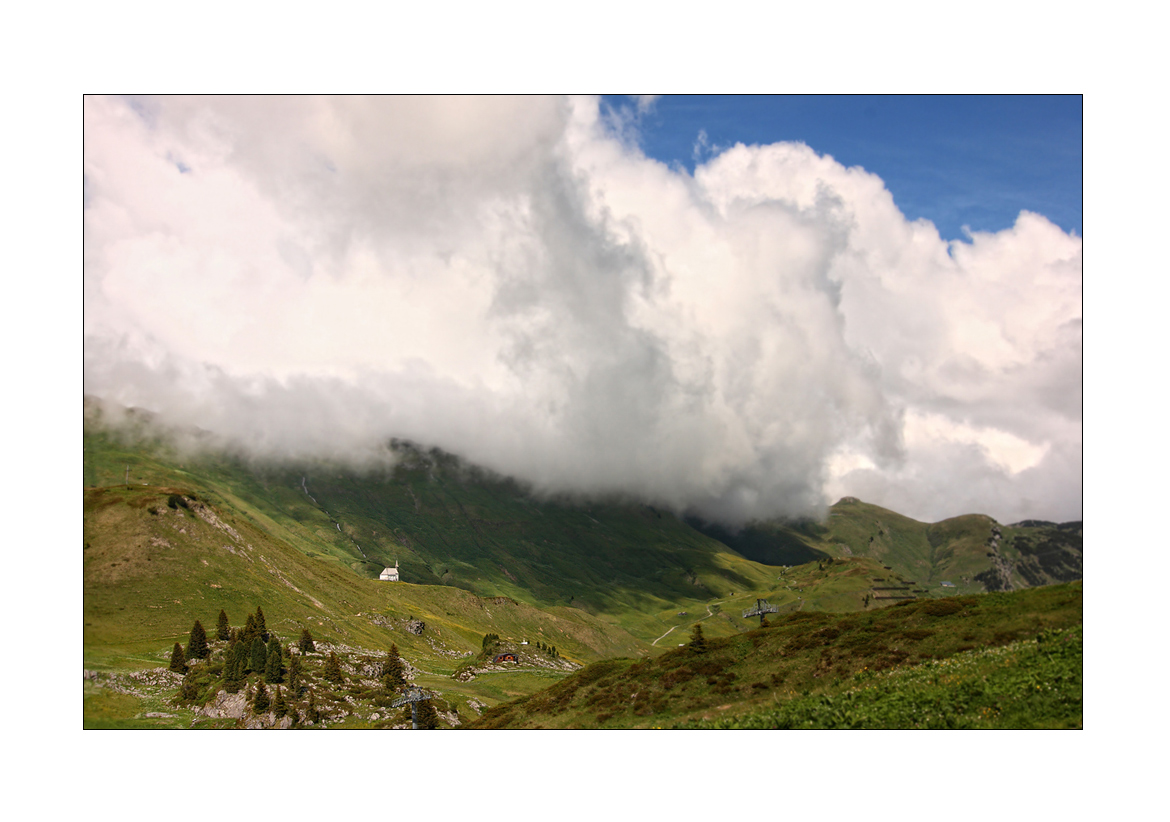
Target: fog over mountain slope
point(514, 281)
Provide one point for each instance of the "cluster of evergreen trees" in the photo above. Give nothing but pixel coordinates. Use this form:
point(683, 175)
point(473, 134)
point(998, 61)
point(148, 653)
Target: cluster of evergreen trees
point(254, 651)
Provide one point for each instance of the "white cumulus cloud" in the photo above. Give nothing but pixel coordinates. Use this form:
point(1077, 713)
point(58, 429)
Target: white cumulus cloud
point(513, 281)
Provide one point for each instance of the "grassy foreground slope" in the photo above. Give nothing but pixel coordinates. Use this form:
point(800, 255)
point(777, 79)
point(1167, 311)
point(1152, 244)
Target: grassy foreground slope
point(802, 655)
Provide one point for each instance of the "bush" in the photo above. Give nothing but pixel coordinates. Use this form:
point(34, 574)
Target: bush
point(941, 607)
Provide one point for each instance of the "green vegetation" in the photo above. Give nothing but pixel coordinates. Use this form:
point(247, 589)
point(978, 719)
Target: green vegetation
point(392, 674)
point(1028, 684)
point(803, 655)
point(488, 569)
point(971, 553)
point(197, 642)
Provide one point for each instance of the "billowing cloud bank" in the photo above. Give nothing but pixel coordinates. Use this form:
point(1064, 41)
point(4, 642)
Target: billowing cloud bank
point(513, 281)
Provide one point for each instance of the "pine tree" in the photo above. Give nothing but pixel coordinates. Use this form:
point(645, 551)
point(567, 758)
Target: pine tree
point(197, 643)
point(223, 630)
point(698, 641)
point(393, 674)
point(279, 705)
point(249, 629)
point(274, 664)
point(235, 669)
point(260, 627)
point(332, 670)
point(294, 675)
point(428, 717)
point(258, 656)
point(178, 660)
point(312, 714)
point(260, 701)
point(306, 644)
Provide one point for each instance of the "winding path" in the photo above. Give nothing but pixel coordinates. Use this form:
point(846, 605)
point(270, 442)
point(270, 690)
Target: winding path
point(710, 614)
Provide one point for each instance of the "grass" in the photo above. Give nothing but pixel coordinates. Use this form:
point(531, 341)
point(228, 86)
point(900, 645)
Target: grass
point(801, 654)
point(186, 537)
point(1030, 684)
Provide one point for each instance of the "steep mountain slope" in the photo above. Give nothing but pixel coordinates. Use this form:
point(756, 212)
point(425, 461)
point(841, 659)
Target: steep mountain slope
point(157, 559)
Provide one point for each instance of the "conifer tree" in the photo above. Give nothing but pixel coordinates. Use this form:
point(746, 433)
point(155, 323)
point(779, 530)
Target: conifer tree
point(260, 701)
point(428, 717)
point(306, 644)
point(259, 655)
point(223, 630)
point(698, 641)
point(260, 626)
point(312, 714)
point(279, 705)
point(178, 660)
point(393, 675)
point(235, 669)
point(197, 643)
point(294, 675)
point(273, 665)
point(249, 629)
point(332, 670)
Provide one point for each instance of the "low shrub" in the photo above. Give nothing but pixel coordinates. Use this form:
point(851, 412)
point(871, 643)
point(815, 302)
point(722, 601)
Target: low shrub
point(941, 607)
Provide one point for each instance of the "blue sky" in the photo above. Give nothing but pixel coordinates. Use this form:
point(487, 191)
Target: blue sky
point(955, 160)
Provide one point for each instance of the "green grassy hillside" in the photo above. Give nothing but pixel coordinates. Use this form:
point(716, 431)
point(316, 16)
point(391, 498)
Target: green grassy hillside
point(450, 525)
point(774, 672)
point(173, 535)
point(966, 554)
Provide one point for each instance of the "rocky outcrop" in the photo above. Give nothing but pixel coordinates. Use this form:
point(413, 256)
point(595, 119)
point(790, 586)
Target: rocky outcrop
point(999, 576)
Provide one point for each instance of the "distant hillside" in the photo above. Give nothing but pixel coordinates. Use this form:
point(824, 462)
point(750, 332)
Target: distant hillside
point(966, 554)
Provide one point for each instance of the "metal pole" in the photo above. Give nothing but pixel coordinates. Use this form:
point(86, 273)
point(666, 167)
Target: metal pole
point(414, 716)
